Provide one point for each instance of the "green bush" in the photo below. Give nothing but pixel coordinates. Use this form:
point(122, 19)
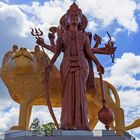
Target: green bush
point(37, 129)
point(48, 128)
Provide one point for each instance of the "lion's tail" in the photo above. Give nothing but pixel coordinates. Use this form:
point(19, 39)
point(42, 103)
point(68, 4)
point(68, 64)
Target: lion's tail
point(111, 89)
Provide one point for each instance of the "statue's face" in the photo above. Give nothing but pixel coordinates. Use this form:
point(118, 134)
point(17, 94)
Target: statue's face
point(74, 18)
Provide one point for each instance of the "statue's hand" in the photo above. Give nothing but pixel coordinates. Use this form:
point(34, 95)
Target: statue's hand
point(111, 50)
point(100, 68)
point(40, 41)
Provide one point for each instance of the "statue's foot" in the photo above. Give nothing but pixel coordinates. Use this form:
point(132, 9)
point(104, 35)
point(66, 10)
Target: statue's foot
point(17, 128)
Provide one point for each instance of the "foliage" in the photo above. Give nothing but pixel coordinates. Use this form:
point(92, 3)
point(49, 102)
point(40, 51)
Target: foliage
point(48, 128)
point(37, 129)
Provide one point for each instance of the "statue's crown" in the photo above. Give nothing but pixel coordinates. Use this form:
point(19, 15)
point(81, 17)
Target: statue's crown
point(74, 8)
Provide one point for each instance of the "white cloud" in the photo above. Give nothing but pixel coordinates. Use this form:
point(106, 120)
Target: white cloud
point(16, 20)
point(136, 131)
point(41, 111)
point(99, 126)
point(127, 95)
point(123, 76)
point(105, 39)
point(92, 26)
point(123, 73)
point(117, 30)
point(49, 13)
point(13, 20)
point(101, 13)
point(112, 10)
point(8, 115)
point(15, 29)
point(130, 103)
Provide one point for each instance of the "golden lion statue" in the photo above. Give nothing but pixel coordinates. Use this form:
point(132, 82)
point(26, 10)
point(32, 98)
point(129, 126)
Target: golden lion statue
point(23, 72)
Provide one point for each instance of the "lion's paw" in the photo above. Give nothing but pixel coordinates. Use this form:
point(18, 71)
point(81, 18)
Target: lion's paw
point(17, 128)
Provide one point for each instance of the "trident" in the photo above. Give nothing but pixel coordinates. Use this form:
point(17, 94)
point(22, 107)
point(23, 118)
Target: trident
point(37, 33)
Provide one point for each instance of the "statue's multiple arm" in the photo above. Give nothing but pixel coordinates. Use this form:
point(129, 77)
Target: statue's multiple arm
point(89, 52)
point(108, 49)
point(51, 38)
point(95, 49)
point(41, 42)
point(58, 50)
point(104, 50)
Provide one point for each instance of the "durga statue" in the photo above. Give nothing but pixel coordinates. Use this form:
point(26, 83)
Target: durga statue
point(76, 70)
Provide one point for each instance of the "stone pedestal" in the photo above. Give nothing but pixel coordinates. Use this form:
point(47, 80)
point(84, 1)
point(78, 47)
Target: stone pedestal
point(71, 135)
point(96, 133)
point(11, 134)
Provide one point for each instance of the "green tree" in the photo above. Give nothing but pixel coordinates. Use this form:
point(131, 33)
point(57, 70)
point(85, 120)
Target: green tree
point(35, 128)
point(48, 128)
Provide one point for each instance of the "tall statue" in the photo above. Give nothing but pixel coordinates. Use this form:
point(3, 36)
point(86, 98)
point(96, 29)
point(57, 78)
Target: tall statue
point(23, 72)
point(74, 42)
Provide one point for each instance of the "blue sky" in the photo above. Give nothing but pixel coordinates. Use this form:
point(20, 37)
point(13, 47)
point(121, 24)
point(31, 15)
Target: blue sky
point(120, 17)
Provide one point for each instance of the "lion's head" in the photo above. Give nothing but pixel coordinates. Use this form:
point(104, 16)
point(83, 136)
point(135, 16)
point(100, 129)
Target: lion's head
point(23, 72)
point(23, 62)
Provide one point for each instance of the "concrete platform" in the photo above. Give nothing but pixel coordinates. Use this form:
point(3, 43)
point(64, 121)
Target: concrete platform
point(71, 135)
point(72, 138)
point(95, 133)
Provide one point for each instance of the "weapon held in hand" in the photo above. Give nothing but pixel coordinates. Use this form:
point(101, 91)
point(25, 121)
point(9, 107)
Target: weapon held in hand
point(109, 45)
point(37, 33)
point(98, 40)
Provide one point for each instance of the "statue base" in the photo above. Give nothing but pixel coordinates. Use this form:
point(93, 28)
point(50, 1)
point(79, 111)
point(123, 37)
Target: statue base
point(94, 133)
point(70, 135)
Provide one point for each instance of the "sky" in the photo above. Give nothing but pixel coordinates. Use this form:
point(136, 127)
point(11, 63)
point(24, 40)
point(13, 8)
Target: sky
point(121, 18)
